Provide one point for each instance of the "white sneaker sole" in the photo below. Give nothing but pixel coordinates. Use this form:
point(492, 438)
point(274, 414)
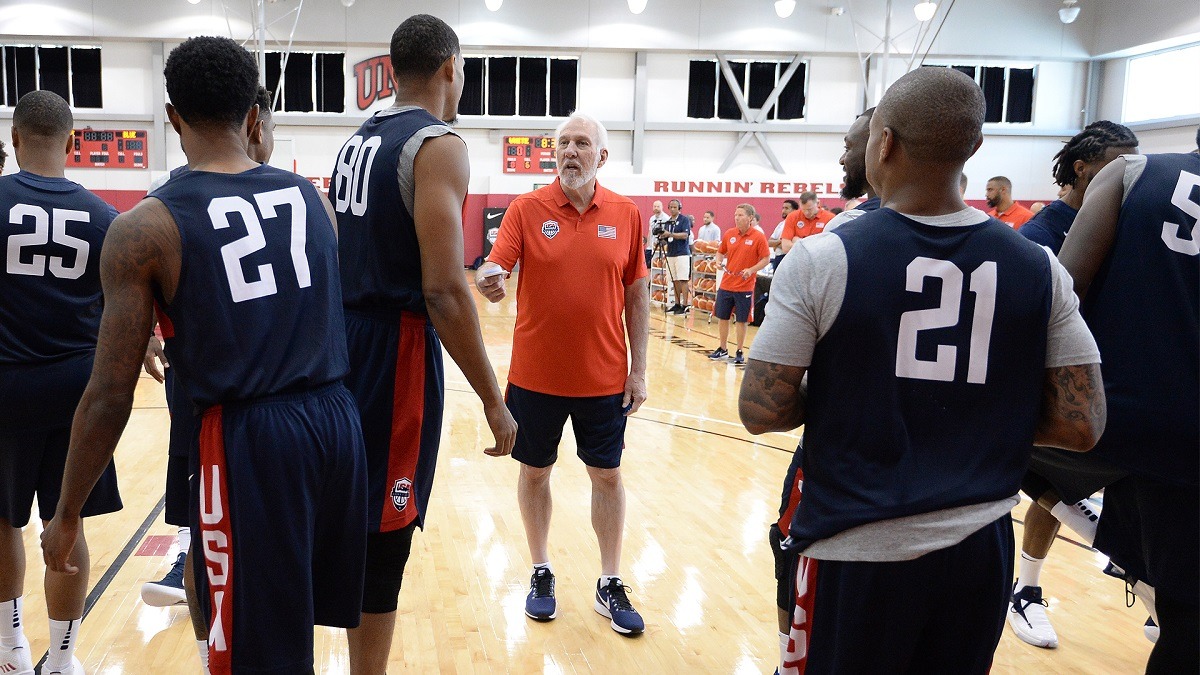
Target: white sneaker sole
point(1015, 622)
point(162, 596)
point(76, 668)
point(603, 611)
point(542, 618)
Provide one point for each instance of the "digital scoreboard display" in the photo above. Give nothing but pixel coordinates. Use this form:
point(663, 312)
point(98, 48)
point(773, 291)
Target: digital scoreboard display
point(529, 154)
point(108, 149)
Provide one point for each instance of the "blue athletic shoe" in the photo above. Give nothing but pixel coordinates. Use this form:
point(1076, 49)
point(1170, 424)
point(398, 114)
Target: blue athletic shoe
point(540, 604)
point(613, 603)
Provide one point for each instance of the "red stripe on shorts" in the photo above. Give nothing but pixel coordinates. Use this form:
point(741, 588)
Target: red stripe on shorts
point(408, 416)
point(165, 327)
point(216, 536)
point(800, 636)
point(785, 520)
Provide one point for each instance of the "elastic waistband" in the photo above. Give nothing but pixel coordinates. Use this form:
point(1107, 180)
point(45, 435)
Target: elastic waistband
point(404, 316)
point(286, 397)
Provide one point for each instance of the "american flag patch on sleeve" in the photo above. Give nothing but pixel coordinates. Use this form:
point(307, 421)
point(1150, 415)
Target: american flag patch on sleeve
point(606, 232)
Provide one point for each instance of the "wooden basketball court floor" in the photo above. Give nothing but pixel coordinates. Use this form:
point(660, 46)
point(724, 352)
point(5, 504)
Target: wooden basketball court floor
point(701, 494)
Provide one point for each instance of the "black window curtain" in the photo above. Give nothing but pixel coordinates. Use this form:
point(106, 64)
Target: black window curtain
point(532, 100)
point(502, 85)
point(564, 84)
point(274, 64)
point(762, 83)
point(85, 78)
point(471, 102)
point(331, 83)
point(1020, 95)
point(791, 99)
point(52, 71)
point(993, 93)
point(20, 76)
point(969, 71)
point(297, 83)
point(702, 89)
point(727, 107)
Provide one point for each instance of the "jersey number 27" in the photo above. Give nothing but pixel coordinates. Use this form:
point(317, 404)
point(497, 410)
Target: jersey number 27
point(219, 210)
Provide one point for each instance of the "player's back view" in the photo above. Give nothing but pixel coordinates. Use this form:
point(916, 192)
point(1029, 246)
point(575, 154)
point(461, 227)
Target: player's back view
point(242, 261)
point(52, 231)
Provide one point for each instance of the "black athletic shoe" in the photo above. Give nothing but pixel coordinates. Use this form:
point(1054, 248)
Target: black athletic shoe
point(718, 353)
point(540, 604)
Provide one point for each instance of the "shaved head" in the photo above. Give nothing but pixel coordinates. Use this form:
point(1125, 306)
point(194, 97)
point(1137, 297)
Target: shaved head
point(935, 113)
point(42, 113)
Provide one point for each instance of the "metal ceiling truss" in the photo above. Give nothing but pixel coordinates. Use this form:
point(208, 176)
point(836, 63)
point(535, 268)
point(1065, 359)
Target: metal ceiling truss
point(261, 35)
point(758, 117)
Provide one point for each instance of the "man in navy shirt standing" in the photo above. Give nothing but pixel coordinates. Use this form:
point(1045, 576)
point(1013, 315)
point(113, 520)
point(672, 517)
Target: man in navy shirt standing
point(1058, 481)
point(1134, 253)
point(50, 304)
point(939, 346)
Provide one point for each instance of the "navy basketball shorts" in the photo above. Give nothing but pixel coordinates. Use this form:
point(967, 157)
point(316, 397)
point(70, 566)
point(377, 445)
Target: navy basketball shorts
point(1073, 475)
point(738, 304)
point(1151, 529)
point(941, 613)
point(37, 405)
point(598, 421)
point(397, 378)
point(180, 446)
point(280, 525)
point(785, 560)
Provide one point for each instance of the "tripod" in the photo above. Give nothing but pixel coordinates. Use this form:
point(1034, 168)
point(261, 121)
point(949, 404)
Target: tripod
point(660, 251)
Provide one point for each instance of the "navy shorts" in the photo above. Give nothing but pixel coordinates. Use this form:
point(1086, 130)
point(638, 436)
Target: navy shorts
point(785, 559)
point(181, 445)
point(598, 421)
point(37, 405)
point(941, 613)
point(281, 485)
point(1152, 530)
point(1073, 475)
point(396, 376)
point(736, 303)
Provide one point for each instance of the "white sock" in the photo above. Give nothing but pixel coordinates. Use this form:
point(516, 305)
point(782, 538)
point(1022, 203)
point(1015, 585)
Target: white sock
point(1145, 593)
point(12, 633)
point(543, 566)
point(1029, 572)
point(63, 637)
point(783, 646)
point(604, 578)
point(1081, 517)
point(184, 537)
point(202, 647)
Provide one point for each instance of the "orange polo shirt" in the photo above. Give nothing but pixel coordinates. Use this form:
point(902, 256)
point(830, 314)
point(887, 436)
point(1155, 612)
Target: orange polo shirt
point(741, 251)
point(796, 225)
point(570, 333)
point(1014, 217)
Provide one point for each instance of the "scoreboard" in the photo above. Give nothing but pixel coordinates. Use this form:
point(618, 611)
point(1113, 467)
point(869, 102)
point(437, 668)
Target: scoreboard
point(108, 149)
point(529, 154)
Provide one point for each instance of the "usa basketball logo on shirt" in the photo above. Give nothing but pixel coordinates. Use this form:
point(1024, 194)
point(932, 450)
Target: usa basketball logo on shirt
point(550, 228)
point(606, 231)
point(401, 491)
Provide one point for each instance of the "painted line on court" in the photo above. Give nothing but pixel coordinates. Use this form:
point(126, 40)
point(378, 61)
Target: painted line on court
point(117, 563)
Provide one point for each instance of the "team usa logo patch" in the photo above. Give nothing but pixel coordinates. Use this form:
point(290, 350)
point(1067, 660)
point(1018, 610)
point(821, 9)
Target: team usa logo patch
point(401, 491)
point(606, 231)
point(550, 228)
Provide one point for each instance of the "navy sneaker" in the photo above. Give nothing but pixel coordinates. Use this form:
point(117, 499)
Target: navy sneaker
point(613, 603)
point(718, 353)
point(540, 604)
point(739, 359)
point(168, 590)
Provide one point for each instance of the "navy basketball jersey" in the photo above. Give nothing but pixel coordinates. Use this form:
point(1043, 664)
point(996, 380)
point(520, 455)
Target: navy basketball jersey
point(377, 236)
point(50, 300)
point(1144, 309)
point(924, 394)
point(258, 309)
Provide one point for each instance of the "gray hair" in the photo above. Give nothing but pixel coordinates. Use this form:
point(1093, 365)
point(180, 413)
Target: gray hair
point(601, 133)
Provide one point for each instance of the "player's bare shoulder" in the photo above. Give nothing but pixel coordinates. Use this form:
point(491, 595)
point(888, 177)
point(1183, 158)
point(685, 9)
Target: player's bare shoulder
point(144, 239)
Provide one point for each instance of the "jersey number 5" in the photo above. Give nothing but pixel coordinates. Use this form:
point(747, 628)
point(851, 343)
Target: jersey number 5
point(232, 253)
point(1182, 199)
point(43, 233)
point(946, 314)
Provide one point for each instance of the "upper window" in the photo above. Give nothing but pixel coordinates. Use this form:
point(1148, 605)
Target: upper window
point(70, 72)
point(526, 86)
point(312, 81)
point(709, 94)
point(1007, 91)
point(1158, 86)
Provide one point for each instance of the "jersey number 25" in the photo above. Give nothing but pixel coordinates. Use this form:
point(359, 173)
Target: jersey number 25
point(47, 227)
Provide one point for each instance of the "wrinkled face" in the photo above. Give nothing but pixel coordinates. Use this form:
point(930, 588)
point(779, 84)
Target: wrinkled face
point(578, 155)
point(787, 208)
point(673, 208)
point(854, 159)
point(809, 209)
point(994, 193)
point(741, 219)
point(656, 207)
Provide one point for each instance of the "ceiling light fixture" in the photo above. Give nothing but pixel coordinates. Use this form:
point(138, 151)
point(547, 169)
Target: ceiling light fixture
point(637, 6)
point(493, 5)
point(193, 2)
point(347, 3)
point(1069, 11)
point(784, 8)
point(925, 10)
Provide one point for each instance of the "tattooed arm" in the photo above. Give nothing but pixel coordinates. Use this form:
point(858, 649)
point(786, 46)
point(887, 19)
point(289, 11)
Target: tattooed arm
point(1073, 412)
point(140, 251)
point(773, 397)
